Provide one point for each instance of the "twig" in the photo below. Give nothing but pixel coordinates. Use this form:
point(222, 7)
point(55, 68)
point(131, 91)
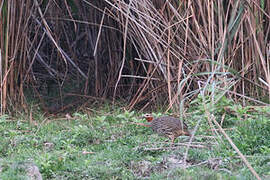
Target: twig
point(124, 50)
point(225, 129)
point(141, 124)
point(204, 162)
point(190, 141)
point(86, 152)
point(252, 156)
point(139, 77)
point(209, 137)
point(176, 147)
point(236, 149)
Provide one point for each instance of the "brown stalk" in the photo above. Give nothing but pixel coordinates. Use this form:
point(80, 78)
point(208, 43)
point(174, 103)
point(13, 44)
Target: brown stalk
point(169, 69)
point(124, 51)
point(236, 149)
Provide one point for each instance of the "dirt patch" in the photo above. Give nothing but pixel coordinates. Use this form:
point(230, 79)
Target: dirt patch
point(143, 169)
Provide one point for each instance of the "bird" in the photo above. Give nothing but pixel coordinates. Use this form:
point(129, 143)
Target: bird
point(168, 126)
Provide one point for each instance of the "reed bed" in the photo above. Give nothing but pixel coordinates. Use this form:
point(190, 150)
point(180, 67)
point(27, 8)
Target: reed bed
point(140, 51)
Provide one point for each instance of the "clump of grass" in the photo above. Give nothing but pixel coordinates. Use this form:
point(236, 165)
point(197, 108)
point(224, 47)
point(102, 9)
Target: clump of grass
point(252, 135)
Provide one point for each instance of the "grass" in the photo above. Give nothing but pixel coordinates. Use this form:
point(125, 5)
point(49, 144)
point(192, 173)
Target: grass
point(118, 149)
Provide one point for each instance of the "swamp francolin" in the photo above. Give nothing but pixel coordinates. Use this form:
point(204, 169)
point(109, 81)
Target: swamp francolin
point(168, 126)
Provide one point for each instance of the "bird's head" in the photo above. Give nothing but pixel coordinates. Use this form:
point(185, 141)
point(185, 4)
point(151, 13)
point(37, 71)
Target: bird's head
point(148, 117)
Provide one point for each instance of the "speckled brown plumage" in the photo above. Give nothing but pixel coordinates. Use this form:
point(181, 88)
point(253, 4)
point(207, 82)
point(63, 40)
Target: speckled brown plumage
point(168, 126)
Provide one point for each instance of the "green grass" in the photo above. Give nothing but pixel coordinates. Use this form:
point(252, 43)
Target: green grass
point(121, 150)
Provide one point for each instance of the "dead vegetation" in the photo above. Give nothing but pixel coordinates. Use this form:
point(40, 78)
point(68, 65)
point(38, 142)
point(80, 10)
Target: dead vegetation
point(143, 52)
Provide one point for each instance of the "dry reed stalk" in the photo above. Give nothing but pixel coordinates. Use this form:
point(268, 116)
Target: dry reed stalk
point(6, 65)
point(124, 51)
point(236, 149)
point(191, 40)
point(14, 19)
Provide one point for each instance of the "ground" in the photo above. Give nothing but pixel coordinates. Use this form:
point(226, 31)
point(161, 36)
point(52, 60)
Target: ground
point(105, 144)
